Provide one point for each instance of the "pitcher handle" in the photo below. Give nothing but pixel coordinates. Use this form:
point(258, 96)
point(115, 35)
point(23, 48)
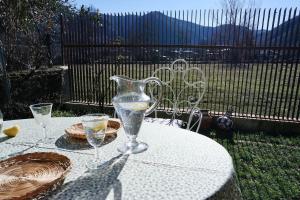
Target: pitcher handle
point(159, 83)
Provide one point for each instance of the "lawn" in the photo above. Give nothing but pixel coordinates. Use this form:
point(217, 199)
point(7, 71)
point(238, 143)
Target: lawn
point(267, 166)
point(268, 89)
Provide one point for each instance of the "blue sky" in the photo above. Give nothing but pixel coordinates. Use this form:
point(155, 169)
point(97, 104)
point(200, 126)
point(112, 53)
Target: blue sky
point(113, 6)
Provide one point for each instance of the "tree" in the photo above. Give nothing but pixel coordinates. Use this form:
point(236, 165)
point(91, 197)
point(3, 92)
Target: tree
point(26, 30)
point(5, 81)
point(235, 9)
point(239, 20)
point(26, 27)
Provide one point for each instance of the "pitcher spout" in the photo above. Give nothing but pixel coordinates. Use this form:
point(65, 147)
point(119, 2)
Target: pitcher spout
point(114, 78)
point(124, 80)
point(117, 78)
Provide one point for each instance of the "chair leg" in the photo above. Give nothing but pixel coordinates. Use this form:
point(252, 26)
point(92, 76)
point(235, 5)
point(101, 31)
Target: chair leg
point(200, 120)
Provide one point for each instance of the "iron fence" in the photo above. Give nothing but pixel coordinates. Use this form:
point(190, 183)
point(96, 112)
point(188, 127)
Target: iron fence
point(250, 57)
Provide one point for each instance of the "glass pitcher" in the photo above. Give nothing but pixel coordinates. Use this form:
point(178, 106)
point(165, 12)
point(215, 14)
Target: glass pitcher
point(132, 104)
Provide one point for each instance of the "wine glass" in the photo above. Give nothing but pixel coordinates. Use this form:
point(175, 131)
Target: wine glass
point(94, 126)
point(42, 115)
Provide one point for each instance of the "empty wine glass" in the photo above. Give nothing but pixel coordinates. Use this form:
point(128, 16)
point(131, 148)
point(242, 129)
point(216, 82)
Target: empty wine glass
point(42, 115)
point(94, 127)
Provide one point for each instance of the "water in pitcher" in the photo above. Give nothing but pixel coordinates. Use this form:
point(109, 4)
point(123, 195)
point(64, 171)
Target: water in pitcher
point(132, 114)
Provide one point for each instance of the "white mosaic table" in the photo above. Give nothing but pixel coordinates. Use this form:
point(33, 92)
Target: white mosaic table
point(179, 164)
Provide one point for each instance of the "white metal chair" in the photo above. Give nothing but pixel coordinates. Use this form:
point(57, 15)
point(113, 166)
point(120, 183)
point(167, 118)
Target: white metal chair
point(182, 91)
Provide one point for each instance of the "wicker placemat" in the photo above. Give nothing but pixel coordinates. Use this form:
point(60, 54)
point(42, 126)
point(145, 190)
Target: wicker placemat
point(76, 130)
point(32, 175)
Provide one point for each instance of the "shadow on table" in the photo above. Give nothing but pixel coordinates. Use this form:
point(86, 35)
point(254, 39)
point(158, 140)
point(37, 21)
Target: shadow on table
point(69, 143)
point(3, 139)
point(96, 184)
point(66, 142)
point(16, 153)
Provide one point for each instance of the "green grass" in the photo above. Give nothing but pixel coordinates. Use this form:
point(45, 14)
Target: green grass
point(267, 166)
point(63, 113)
point(253, 88)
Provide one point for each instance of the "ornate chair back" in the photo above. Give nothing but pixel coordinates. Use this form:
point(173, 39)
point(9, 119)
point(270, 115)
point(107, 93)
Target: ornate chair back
point(182, 91)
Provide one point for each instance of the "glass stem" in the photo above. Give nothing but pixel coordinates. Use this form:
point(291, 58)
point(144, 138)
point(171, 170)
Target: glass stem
point(96, 154)
point(132, 142)
point(45, 132)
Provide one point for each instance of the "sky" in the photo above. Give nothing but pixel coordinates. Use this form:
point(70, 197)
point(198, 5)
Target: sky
point(115, 6)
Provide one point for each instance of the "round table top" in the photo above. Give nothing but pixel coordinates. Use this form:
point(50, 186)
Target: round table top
point(178, 164)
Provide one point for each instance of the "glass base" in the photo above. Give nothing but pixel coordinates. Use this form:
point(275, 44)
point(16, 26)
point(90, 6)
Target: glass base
point(46, 141)
point(133, 149)
point(93, 164)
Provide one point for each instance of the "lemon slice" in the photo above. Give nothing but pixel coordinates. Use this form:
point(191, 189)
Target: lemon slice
point(140, 106)
point(100, 126)
point(135, 106)
point(12, 131)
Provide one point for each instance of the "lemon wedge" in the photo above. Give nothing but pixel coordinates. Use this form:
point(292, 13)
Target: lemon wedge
point(12, 131)
point(140, 106)
point(135, 106)
point(100, 126)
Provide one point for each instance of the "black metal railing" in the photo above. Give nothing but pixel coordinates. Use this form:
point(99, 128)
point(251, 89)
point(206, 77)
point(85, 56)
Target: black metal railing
point(250, 57)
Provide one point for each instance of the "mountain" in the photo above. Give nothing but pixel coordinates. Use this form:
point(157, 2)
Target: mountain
point(159, 28)
point(156, 28)
point(287, 33)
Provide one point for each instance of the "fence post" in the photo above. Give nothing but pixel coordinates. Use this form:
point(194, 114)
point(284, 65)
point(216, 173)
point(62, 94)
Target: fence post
point(65, 84)
point(62, 39)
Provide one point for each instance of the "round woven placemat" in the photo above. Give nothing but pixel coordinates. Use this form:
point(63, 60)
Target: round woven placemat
point(32, 175)
point(76, 130)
